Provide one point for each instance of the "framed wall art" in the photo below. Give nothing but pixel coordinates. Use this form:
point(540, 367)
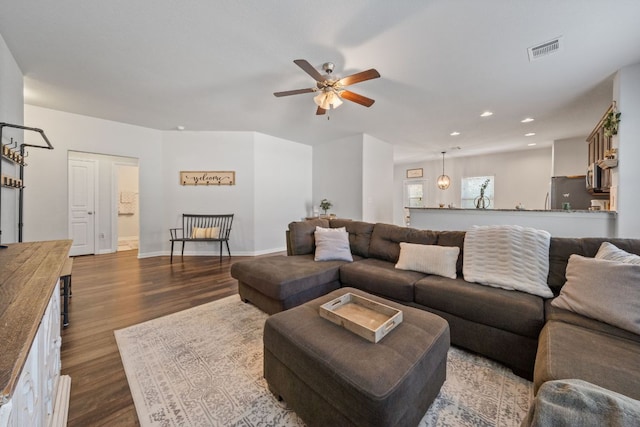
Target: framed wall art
point(414, 173)
point(207, 178)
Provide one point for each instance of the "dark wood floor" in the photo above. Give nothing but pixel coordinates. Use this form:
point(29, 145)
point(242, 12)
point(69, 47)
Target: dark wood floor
point(115, 291)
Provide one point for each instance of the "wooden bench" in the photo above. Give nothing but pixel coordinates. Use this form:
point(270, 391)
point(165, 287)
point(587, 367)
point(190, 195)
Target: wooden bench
point(202, 228)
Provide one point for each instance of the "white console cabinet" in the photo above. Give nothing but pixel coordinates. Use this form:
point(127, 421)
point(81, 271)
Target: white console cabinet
point(35, 394)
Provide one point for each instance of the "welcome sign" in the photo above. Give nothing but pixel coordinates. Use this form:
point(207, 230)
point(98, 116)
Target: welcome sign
point(210, 178)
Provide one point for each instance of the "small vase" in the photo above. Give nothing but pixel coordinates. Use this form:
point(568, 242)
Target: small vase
point(482, 202)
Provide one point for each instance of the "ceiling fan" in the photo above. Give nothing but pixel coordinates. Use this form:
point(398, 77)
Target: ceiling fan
point(332, 91)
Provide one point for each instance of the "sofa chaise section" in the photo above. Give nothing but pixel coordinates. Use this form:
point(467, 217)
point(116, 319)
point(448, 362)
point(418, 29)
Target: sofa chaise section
point(277, 283)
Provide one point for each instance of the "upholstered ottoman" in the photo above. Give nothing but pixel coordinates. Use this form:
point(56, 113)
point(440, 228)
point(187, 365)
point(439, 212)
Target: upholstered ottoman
point(331, 376)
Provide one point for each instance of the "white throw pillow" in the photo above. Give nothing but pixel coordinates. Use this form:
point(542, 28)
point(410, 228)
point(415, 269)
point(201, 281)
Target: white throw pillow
point(430, 259)
point(605, 290)
point(205, 233)
point(611, 252)
point(509, 257)
point(332, 244)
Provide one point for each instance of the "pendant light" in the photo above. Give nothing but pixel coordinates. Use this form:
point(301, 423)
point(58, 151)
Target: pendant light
point(443, 180)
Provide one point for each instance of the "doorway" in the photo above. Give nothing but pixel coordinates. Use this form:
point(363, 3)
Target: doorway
point(414, 196)
point(96, 200)
point(128, 216)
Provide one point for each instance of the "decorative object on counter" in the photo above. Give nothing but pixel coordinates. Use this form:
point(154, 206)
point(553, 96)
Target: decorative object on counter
point(611, 122)
point(611, 153)
point(415, 173)
point(441, 205)
point(566, 206)
point(483, 202)
point(607, 163)
point(443, 180)
point(520, 206)
point(325, 205)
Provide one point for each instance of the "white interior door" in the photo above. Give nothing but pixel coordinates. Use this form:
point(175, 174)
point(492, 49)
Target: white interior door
point(82, 220)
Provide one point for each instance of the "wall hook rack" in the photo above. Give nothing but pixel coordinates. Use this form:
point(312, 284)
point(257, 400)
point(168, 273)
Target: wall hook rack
point(21, 166)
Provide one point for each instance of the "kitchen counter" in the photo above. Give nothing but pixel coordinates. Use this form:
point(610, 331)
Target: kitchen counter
point(29, 274)
point(560, 223)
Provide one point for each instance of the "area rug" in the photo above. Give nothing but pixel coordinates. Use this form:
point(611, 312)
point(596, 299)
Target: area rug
point(203, 367)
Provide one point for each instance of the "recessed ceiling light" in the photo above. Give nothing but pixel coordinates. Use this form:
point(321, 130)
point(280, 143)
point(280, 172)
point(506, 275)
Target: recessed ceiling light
point(454, 133)
point(530, 134)
point(486, 114)
point(531, 144)
point(527, 120)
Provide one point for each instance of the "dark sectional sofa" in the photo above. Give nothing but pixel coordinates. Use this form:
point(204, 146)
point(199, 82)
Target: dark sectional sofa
point(520, 330)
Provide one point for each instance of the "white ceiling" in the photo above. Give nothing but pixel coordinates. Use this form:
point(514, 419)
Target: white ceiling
point(214, 65)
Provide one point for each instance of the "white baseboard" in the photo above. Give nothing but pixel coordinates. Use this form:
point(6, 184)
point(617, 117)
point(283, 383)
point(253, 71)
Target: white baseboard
point(176, 253)
point(61, 405)
point(152, 254)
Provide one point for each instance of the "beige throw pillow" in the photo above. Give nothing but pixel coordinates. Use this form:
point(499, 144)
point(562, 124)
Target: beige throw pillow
point(611, 252)
point(430, 259)
point(205, 233)
point(604, 290)
point(332, 244)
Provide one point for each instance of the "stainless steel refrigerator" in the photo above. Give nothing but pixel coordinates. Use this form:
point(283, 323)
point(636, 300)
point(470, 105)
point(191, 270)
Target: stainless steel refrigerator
point(572, 190)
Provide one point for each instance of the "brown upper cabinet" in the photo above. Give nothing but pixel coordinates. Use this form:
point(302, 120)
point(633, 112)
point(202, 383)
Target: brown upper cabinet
point(599, 149)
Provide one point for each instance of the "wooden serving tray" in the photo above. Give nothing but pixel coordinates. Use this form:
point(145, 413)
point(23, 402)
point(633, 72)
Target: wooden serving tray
point(362, 316)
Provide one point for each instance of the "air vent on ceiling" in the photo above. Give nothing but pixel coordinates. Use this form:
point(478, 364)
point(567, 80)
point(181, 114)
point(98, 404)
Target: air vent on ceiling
point(544, 49)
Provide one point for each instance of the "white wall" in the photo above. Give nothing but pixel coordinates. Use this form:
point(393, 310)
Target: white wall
point(570, 156)
point(282, 193)
point(520, 177)
point(356, 175)
point(211, 151)
point(162, 200)
point(273, 185)
point(11, 111)
point(377, 180)
point(337, 176)
point(627, 94)
point(46, 176)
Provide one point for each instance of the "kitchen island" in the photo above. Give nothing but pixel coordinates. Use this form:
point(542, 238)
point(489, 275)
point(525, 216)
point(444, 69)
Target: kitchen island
point(32, 391)
point(560, 223)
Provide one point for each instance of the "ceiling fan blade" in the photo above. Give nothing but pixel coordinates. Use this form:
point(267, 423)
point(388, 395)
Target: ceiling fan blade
point(358, 99)
point(359, 77)
point(292, 92)
point(320, 111)
point(309, 69)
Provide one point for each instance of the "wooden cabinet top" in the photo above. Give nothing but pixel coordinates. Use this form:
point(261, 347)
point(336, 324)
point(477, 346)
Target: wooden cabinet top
point(28, 276)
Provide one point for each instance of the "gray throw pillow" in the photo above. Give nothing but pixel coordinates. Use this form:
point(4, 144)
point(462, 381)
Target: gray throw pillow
point(332, 244)
point(613, 253)
point(604, 290)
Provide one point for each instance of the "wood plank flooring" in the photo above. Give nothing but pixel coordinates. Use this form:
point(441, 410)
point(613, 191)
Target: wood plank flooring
point(115, 291)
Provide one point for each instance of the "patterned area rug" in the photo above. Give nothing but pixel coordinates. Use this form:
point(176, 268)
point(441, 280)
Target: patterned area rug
point(203, 367)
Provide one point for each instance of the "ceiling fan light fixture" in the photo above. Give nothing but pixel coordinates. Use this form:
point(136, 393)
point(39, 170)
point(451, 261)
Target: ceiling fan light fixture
point(443, 180)
point(327, 100)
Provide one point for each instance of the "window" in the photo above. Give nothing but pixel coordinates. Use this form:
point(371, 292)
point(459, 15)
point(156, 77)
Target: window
point(415, 193)
point(470, 191)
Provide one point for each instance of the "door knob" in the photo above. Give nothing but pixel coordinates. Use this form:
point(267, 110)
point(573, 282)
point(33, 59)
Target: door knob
point(90, 213)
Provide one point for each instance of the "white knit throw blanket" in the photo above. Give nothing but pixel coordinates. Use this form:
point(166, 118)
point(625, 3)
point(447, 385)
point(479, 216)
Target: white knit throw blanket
point(509, 257)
